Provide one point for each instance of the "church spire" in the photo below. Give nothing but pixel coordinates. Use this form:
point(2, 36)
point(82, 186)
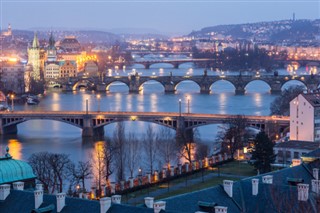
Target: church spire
point(51, 42)
point(35, 43)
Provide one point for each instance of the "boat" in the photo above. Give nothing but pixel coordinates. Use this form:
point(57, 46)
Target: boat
point(3, 108)
point(32, 100)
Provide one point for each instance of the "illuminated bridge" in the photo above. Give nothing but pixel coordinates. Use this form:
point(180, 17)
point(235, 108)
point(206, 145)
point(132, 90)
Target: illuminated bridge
point(92, 123)
point(175, 62)
point(135, 82)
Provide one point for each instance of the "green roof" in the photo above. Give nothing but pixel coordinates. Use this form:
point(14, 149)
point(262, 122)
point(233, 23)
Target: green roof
point(14, 170)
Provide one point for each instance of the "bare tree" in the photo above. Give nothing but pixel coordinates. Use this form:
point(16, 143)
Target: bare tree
point(151, 147)
point(41, 167)
point(51, 169)
point(98, 162)
point(133, 155)
point(233, 134)
point(108, 158)
point(119, 140)
point(59, 164)
point(81, 172)
point(168, 147)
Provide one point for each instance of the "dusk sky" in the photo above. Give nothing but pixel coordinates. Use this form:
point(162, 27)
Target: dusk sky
point(163, 15)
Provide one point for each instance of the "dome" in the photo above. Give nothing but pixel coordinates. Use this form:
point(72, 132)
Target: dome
point(14, 170)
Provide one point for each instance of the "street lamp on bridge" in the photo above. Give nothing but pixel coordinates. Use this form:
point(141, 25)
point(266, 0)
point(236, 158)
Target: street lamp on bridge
point(188, 102)
point(12, 104)
point(98, 97)
point(180, 107)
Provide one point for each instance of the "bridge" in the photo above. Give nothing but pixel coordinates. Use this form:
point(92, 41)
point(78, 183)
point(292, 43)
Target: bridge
point(92, 123)
point(176, 63)
point(135, 82)
point(164, 53)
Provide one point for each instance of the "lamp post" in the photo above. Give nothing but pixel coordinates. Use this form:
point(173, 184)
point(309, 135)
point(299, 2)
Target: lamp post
point(87, 107)
point(180, 107)
point(98, 97)
point(188, 99)
point(12, 104)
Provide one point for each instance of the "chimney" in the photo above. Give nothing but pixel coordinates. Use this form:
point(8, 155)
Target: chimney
point(227, 186)
point(220, 209)
point(268, 179)
point(303, 191)
point(116, 199)
point(38, 198)
point(39, 186)
point(158, 206)
point(315, 186)
point(4, 191)
point(105, 204)
point(315, 172)
point(255, 186)
point(61, 201)
point(18, 185)
point(148, 201)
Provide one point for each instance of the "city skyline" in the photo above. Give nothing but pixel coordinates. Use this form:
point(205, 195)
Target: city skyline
point(161, 16)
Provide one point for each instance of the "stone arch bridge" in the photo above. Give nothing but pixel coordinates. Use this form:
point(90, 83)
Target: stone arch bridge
point(135, 82)
point(92, 123)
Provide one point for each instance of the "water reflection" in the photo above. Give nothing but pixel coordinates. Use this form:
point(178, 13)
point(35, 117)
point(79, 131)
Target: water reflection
point(15, 148)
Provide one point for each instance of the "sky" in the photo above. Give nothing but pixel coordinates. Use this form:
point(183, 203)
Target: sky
point(164, 16)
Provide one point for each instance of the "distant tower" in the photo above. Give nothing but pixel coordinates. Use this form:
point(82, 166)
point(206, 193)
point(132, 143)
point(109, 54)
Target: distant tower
point(293, 17)
point(51, 51)
point(9, 30)
point(34, 58)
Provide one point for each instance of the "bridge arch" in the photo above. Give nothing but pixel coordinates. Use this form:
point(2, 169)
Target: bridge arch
point(116, 83)
point(152, 81)
point(85, 83)
point(255, 81)
point(293, 82)
point(222, 85)
point(164, 64)
point(195, 87)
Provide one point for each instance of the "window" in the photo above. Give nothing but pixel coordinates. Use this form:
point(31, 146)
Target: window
point(296, 155)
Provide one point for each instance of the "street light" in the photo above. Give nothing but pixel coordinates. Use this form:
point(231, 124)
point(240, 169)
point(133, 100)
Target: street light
point(180, 107)
point(12, 104)
point(98, 97)
point(87, 107)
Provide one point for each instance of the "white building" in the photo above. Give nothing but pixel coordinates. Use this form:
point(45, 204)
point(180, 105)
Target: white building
point(305, 117)
point(52, 70)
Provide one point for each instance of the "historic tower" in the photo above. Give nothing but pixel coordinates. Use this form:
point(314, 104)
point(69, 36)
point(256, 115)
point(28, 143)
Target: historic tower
point(34, 58)
point(51, 51)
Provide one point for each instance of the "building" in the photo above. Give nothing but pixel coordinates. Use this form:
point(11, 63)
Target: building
point(91, 68)
point(34, 58)
point(305, 117)
point(12, 170)
point(12, 76)
point(7, 33)
point(51, 51)
point(68, 69)
point(52, 70)
point(287, 151)
point(70, 44)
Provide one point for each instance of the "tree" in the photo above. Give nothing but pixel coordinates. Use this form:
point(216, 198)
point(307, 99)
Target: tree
point(151, 148)
point(51, 169)
point(263, 153)
point(281, 105)
point(233, 134)
point(133, 155)
point(119, 141)
point(108, 158)
point(80, 173)
point(168, 147)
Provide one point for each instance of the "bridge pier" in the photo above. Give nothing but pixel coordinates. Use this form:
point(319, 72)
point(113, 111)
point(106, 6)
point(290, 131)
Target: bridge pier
point(275, 91)
point(98, 132)
point(240, 91)
point(176, 65)
point(67, 88)
point(101, 87)
point(10, 130)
